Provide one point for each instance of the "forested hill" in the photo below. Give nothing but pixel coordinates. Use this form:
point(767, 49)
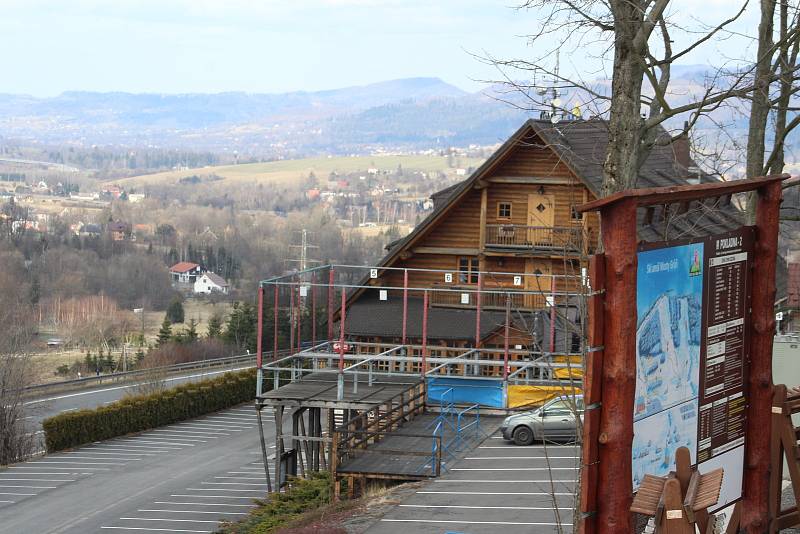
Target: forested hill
point(406, 113)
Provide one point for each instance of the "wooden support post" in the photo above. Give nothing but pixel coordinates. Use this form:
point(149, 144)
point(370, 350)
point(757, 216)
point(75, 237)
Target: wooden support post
point(313, 309)
point(505, 337)
point(297, 414)
point(423, 367)
point(279, 478)
point(263, 448)
point(405, 305)
point(331, 435)
point(259, 334)
point(618, 228)
point(592, 398)
point(776, 457)
point(755, 510)
point(275, 326)
point(308, 455)
point(331, 275)
point(478, 311)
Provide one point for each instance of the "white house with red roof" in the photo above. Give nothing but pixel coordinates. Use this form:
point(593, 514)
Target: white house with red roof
point(184, 272)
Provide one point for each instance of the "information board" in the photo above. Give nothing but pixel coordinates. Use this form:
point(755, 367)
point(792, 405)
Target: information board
point(691, 356)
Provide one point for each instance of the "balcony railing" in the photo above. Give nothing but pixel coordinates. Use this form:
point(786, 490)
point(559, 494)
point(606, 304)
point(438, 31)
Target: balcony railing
point(536, 237)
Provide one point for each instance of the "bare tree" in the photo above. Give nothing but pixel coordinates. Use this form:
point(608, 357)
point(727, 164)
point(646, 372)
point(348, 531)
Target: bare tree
point(636, 39)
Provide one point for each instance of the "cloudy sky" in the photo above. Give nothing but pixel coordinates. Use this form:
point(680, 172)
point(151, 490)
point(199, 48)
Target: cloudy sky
point(174, 46)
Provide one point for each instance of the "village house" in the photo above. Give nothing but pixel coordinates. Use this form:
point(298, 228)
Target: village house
point(512, 227)
point(118, 230)
point(209, 283)
point(184, 273)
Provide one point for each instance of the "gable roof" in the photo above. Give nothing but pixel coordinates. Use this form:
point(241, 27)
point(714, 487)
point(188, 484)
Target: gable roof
point(183, 267)
point(217, 279)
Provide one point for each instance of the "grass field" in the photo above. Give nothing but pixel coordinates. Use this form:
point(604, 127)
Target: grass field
point(288, 171)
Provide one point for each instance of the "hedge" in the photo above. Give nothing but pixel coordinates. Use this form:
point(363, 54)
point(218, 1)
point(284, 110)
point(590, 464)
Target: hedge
point(302, 496)
point(136, 414)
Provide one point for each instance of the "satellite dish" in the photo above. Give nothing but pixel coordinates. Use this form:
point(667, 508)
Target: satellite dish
point(554, 118)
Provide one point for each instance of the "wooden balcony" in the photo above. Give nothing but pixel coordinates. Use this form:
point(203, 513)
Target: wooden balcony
point(541, 238)
point(491, 298)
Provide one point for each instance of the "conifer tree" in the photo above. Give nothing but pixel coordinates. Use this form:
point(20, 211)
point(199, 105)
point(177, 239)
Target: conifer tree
point(164, 333)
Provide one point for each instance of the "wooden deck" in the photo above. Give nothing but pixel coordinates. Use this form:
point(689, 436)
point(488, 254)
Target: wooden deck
point(319, 390)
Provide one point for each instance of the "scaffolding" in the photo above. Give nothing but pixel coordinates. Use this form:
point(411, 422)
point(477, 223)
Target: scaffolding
point(444, 342)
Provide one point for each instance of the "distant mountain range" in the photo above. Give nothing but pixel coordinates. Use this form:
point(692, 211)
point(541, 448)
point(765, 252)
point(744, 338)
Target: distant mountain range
point(411, 113)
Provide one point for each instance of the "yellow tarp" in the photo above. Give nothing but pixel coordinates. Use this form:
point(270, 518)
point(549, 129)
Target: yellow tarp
point(519, 396)
point(563, 373)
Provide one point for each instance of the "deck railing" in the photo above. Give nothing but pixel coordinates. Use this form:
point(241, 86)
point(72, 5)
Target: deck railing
point(536, 237)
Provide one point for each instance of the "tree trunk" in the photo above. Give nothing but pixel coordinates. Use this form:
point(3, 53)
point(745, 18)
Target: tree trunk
point(760, 105)
point(621, 166)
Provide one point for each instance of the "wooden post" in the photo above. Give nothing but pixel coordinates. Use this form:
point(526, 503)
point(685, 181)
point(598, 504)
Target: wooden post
point(618, 228)
point(478, 311)
point(331, 275)
point(275, 327)
point(755, 510)
point(259, 334)
point(592, 397)
point(505, 337)
point(424, 332)
point(341, 333)
point(405, 305)
point(278, 447)
point(313, 309)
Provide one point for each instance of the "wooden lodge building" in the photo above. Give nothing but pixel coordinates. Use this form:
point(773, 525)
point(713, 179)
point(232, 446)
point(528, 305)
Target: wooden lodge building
point(515, 214)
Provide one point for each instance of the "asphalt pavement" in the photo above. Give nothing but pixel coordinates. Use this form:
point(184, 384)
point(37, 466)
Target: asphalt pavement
point(497, 487)
point(184, 477)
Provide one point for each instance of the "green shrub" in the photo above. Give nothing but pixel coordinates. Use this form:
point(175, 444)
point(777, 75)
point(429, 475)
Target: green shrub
point(304, 495)
point(135, 414)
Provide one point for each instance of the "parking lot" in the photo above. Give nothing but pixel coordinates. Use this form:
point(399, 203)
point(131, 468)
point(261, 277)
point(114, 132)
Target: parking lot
point(184, 477)
point(498, 487)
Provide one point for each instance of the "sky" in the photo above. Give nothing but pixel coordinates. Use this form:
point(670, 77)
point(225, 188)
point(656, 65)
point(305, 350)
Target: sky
point(273, 46)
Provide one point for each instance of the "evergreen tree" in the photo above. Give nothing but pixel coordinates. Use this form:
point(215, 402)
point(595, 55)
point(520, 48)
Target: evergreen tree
point(175, 312)
point(214, 327)
point(190, 334)
point(241, 327)
point(164, 333)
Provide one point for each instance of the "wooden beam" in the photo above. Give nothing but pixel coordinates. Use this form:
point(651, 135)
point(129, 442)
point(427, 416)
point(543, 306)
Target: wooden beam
point(679, 193)
point(447, 250)
point(482, 235)
point(530, 180)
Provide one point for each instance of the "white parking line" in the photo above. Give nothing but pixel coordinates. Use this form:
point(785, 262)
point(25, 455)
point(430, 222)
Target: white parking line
point(242, 478)
point(225, 489)
point(48, 462)
point(479, 507)
point(493, 481)
point(218, 512)
point(154, 448)
point(123, 458)
point(8, 502)
point(233, 483)
point(20, 494)
point(35, 480)
point(178, 436)
point(117, 452)
point(448, 521)
point(513, 468)
point(155, 441)
point(548, 493)
point(212, 496)
point(205, 504)
point(169, 520)
point(26, 487)
point(43, 474)
point(196, 432)
point(521, 457)
point(161, 529)
point(227, 428)
point(62, 468)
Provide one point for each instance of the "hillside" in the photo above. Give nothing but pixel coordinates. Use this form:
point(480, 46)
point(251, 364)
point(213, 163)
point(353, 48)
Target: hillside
point(289, 172)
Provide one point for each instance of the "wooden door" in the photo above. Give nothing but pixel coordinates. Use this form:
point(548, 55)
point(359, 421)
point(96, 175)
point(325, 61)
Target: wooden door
point(541, 216)
point(538, 281)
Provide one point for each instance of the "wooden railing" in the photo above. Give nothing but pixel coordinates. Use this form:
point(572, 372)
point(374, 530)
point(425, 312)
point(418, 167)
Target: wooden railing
point(536, 237)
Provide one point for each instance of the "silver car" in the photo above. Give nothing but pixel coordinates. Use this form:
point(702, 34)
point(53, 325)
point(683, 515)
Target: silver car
point(556, 420)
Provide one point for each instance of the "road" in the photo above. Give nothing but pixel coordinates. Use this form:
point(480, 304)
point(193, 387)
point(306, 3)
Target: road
point(184, 477)
point(39, 409)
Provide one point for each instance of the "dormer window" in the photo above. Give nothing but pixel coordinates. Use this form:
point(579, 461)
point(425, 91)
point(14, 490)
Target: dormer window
point(504, 210)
